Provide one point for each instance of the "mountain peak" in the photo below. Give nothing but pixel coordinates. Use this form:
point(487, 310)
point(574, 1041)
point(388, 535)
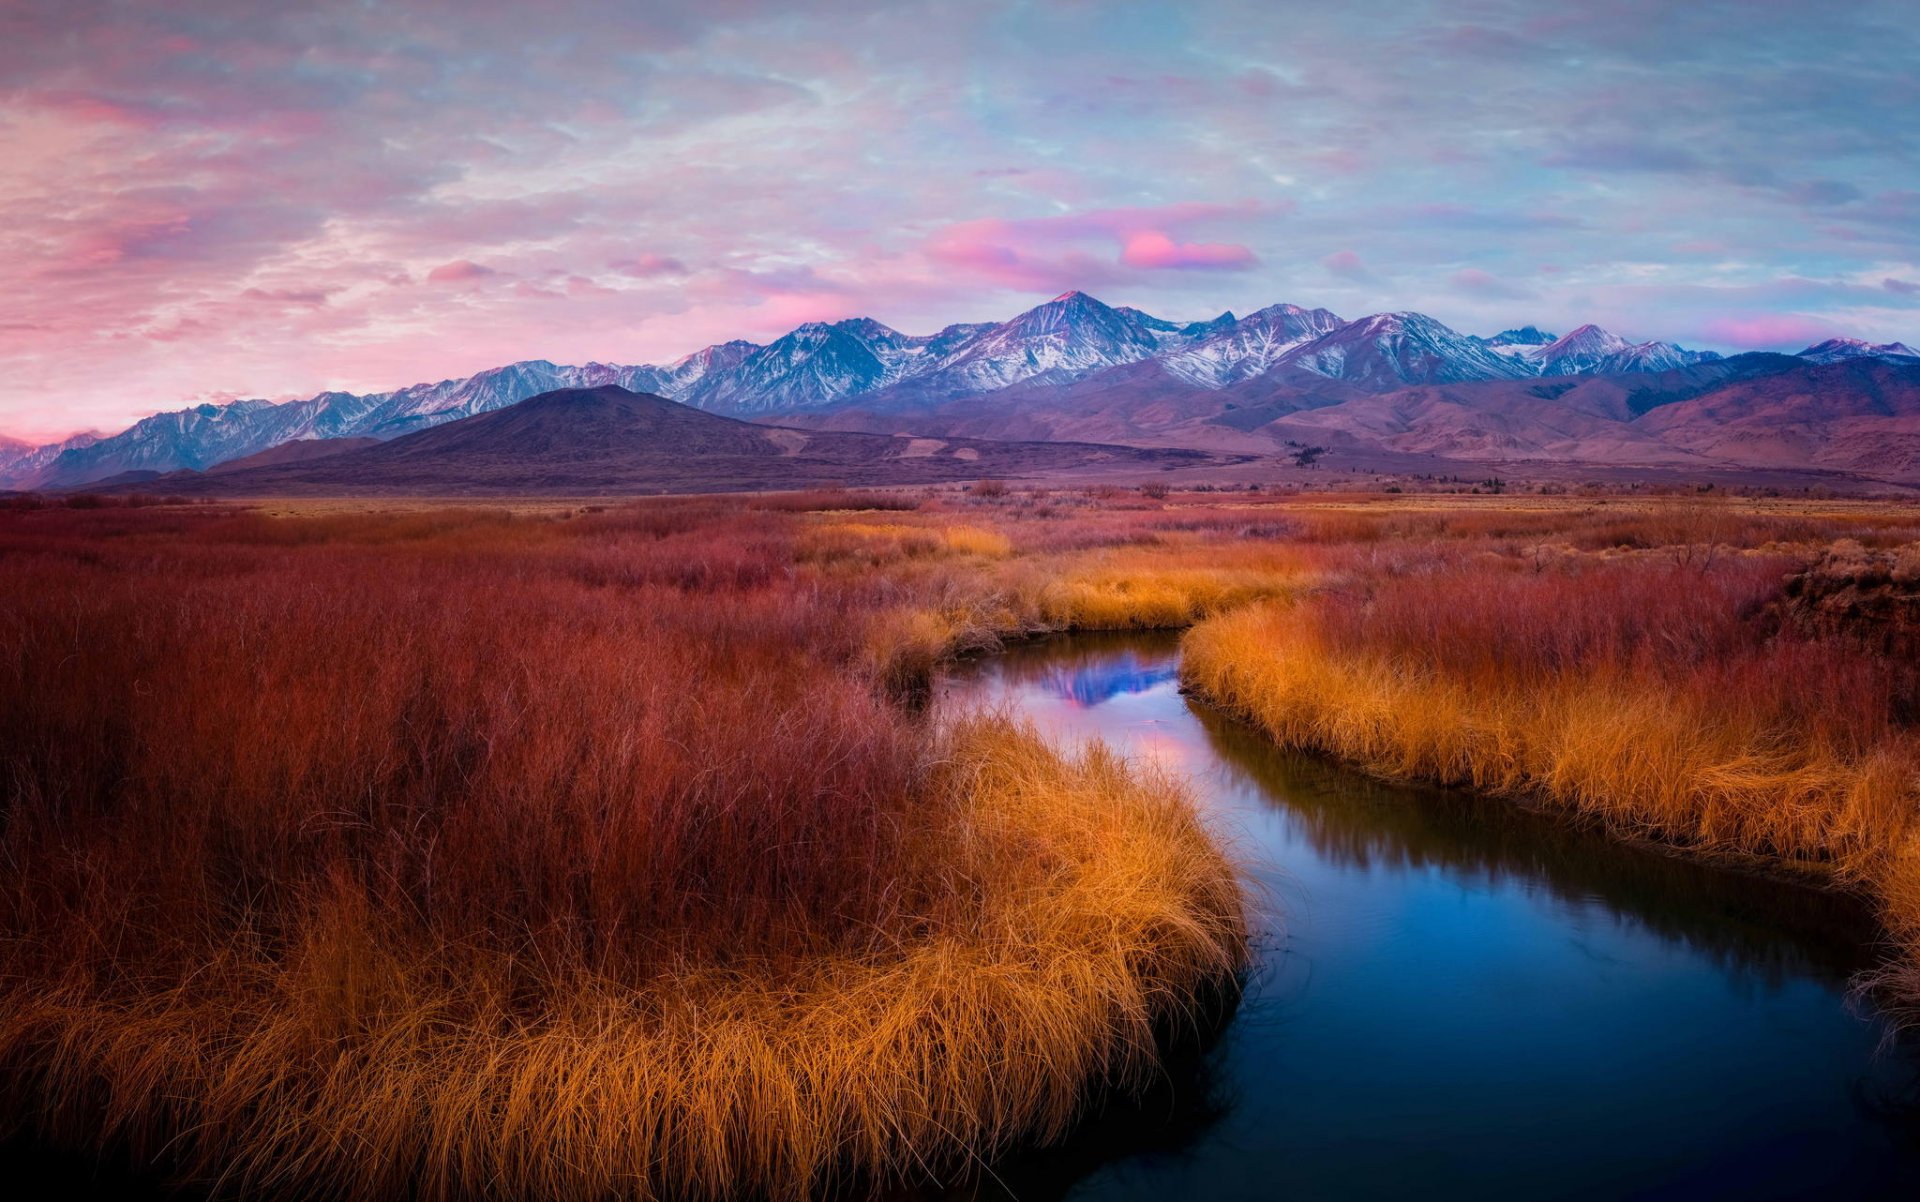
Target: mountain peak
point(1068, 312)
point(1834, 350)
point(1591, 335)
point(1523, 336)
point(1591, 350)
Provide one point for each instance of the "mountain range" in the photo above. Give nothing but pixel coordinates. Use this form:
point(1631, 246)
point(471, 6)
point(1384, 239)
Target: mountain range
point(1077, 368)
point(608, 440)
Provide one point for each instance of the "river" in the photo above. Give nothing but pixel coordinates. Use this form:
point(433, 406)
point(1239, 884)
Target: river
point(1456, 998)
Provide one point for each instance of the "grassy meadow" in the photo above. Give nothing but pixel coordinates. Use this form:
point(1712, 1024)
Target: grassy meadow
point(609, 850)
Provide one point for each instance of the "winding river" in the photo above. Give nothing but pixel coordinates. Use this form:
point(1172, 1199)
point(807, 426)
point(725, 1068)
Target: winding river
point(1456, 998)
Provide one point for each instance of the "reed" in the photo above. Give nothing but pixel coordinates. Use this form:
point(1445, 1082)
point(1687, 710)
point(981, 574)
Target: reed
point(461, 852)
point(1653, 694)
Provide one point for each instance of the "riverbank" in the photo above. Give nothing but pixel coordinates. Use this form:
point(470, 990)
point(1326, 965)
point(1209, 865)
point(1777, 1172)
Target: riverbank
point(1662, 699)
point(447, 853)
point(1434, 966)
point(392, 849)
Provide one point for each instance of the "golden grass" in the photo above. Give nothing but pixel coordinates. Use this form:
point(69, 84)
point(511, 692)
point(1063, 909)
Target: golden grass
point(1649, 698)
point(1667, 765)
point(576, 851)
point(465, 852)
point(1071, 908)
point(1144, 597)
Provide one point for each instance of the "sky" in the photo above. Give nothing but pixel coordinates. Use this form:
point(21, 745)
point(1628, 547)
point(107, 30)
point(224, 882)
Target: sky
point(202, 200)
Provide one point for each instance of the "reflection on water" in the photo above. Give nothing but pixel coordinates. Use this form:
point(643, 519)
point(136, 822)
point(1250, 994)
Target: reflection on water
point(1460, 998)
point(1091, 679)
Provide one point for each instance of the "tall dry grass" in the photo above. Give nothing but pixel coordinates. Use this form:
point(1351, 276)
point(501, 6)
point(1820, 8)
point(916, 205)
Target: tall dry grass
point(461, 852)
point(1655, 693)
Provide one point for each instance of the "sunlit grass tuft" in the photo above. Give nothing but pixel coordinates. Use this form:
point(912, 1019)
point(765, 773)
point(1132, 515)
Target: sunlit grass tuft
point(459, 853)
point(1656, 698)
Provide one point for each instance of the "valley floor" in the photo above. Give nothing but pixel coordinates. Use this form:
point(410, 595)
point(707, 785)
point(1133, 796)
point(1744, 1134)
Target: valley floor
point(386, 848)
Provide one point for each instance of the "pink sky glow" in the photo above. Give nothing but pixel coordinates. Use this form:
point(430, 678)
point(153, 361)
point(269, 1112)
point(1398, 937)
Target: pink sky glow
point(214, 199)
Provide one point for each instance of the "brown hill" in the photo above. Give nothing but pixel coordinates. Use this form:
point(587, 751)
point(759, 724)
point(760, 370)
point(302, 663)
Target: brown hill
point(1750, 412)
point(600, 441)
point(300, 450)
point(1860, 416)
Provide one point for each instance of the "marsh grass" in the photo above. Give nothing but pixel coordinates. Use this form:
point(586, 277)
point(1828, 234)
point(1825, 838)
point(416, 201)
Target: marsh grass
point(463, 852)
point(1654, 694)
point(589, 852)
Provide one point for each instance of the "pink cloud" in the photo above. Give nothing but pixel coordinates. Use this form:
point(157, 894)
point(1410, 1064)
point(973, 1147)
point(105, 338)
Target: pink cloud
point(648, 265)
point(1766, 331)
point(457, 272)
point(1055, 253)
point(1153, 249)
point(286, 296)
point(1475, 282)
point(1347, 265)
point(1001, 264)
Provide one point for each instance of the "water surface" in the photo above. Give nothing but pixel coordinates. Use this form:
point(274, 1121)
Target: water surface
point(1458, 999)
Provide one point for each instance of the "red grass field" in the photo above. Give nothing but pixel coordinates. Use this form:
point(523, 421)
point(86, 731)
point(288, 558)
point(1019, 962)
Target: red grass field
point(603, 850)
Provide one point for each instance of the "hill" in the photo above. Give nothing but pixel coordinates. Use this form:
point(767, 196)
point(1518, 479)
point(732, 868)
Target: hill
point(609, 441)
point(301, 450)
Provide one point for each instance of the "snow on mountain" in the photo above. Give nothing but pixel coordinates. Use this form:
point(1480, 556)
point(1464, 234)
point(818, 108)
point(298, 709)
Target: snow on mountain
point(682, 375)
point(1591, 350)
point(1247, 347)
point(1167, 333)
point(1519, 343)
point(813, 365)
point(1524, 336)
point(16, 468)
point(1388, 350)
point(204, 435)
point(1067, 337)
point(1835, 350)
point(1060, 341)
point(1652, 357)
point(823, 365)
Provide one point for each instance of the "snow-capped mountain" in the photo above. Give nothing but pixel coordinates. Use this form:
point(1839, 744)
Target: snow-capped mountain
point(1229, 349)
point(205, 435)
point(1388, 350)
point(12, 450)
point(812, 366)
point(820, 366)
point(1066, 338)
point(22, 461)
point(1591, 350)
point(1520, 343)
point(1834, 350)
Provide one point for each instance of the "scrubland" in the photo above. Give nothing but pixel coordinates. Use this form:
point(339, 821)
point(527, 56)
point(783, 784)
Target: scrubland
point(610, 851)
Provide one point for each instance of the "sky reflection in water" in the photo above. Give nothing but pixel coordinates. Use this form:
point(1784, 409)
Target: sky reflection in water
point(1462, 999)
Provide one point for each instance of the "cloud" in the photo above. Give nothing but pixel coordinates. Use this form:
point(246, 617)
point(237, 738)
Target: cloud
point(1475, 282)
point(1088, 248)
point(1155, 250)
point(287, 296)
point(1492, 219)
point(459, 271)
point(213, 196)
point(1347, 265)
point(985, 251)
point(1779, 331)
point(647, 266)
point(1900, 287)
